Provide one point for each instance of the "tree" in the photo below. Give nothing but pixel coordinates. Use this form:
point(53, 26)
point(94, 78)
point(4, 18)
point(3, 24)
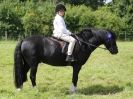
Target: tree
point(94, 4)
point(10, 22)
point(124, 9)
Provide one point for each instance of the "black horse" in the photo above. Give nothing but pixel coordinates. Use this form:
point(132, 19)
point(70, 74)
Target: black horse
point(36, 49)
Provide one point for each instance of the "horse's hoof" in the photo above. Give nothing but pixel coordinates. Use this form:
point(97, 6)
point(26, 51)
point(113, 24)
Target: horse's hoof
point(35, 87)
point(72, 92)
point(18, 89)
point(72, 89)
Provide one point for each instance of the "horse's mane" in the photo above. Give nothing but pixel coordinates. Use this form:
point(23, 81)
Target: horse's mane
point(93, 31)
point(86, 30)
point(86, 33)
point(98, 33)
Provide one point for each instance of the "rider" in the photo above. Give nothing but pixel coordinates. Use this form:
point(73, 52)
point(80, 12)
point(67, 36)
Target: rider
point(61, 32)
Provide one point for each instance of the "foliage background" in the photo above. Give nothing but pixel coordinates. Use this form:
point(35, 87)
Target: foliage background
point(21, 18)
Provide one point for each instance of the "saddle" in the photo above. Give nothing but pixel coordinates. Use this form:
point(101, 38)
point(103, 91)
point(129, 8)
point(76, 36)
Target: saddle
point(64, 44)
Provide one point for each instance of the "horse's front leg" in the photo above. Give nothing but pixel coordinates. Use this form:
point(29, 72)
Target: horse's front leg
point(76, 70)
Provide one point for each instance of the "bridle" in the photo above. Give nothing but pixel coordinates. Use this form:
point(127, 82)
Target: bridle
point(89, 44)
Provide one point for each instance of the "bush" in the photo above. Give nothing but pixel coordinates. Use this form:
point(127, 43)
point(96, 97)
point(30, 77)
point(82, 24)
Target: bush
point(38, 18)
point(10, 22)
point(107, 20)
point(47, 15)
point(78, 17)
point(29, 18)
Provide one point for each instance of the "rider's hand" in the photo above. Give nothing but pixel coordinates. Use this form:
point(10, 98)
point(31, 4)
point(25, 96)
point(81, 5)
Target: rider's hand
point(72, 34)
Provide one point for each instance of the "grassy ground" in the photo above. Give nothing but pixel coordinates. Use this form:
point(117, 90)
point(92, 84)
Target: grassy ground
point(104, 76)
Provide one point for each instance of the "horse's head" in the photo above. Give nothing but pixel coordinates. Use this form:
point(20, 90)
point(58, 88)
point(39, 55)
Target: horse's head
point(110, 42)
point(96, 37)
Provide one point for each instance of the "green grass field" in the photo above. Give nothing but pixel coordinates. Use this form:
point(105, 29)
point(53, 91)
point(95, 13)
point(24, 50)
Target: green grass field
point(104, 76)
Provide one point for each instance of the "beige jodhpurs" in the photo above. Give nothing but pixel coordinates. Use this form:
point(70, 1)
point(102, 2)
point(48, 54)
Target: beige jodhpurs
point(68, 39)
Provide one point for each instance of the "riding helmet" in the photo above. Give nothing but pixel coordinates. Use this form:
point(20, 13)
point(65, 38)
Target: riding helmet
point(60, 7)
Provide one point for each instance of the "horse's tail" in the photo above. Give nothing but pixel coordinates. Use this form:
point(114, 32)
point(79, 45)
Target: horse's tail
point(18, 66)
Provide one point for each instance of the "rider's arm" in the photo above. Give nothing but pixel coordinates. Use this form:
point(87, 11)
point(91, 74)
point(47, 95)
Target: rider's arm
point(59, 25)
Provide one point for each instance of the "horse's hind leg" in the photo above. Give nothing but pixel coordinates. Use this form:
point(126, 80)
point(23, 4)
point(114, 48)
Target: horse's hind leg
point(26, 69)
point(33, 75)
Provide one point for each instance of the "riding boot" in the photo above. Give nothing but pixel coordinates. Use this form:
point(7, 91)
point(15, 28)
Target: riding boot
point(70, 58)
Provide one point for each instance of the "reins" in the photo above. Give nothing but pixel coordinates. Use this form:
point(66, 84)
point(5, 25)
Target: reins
point(89, 44)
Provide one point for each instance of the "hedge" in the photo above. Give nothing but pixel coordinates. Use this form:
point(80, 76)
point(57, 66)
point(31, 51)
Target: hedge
point(28, 18)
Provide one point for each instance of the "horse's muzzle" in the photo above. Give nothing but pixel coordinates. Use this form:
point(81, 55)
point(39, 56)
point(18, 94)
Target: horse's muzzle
point(113, 50)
